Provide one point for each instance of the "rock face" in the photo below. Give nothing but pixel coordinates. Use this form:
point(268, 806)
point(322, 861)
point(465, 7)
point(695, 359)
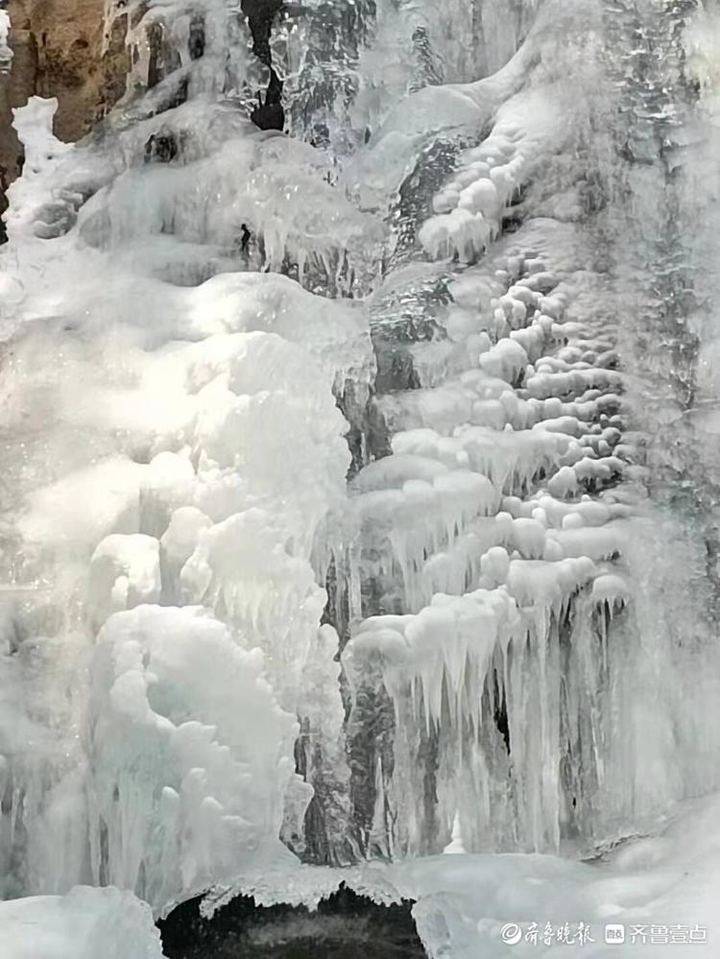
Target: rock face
point(63, 49)
point(268, 115)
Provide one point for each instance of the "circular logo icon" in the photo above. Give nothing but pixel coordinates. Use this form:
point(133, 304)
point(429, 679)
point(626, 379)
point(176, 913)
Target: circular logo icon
point(511, 934)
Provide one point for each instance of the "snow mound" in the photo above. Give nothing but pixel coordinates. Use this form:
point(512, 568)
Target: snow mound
point(86, 923)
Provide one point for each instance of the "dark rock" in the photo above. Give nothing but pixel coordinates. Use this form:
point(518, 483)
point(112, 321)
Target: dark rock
point(196, 37)
point(161, 148)
point(269, 116)
point(245, 236)
point(163, 59)
point(260, 15)
point(3, 202)
point(344, 926)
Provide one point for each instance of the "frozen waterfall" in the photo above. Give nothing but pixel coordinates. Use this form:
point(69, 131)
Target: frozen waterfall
point(360, 381)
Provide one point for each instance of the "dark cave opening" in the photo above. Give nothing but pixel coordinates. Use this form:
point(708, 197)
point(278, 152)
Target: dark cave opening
point(344, 926)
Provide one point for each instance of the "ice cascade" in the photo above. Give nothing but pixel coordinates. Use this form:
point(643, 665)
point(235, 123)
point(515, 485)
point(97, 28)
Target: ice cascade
point(341, 511)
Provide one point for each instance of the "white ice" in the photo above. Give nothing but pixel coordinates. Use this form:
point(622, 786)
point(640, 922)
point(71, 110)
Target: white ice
point(87, 923)
point(176, 458)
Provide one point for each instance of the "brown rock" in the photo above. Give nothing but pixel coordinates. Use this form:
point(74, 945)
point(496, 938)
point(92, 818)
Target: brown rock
point(63, 49)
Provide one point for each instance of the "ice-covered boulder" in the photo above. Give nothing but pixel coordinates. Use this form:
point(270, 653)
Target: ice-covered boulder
point(87, 923)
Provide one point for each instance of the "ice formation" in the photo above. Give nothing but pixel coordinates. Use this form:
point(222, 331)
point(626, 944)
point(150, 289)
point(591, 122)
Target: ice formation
point(87, 923)
point(6, 53)
point(466, 903)
point(189, 488)
point(357, 505)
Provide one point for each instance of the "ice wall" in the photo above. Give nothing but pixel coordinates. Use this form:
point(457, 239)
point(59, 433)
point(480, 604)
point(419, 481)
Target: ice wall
point(185, 452)
point(513, 566)
point(374, 388)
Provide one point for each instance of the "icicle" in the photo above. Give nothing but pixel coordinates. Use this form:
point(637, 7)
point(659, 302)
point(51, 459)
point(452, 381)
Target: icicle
point(455, 846)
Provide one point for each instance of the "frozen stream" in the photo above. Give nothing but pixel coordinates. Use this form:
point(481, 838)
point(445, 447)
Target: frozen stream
point(360, 481)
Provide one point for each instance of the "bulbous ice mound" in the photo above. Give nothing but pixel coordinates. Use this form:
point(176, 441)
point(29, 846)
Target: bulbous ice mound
point(176, 457)
point(87, 923)
point(165, 711)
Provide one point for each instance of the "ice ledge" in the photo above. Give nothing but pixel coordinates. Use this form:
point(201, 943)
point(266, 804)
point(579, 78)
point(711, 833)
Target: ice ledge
point(669, 879)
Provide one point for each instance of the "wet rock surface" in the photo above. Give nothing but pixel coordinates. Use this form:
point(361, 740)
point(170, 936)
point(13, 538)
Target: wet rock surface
point(261, 14)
